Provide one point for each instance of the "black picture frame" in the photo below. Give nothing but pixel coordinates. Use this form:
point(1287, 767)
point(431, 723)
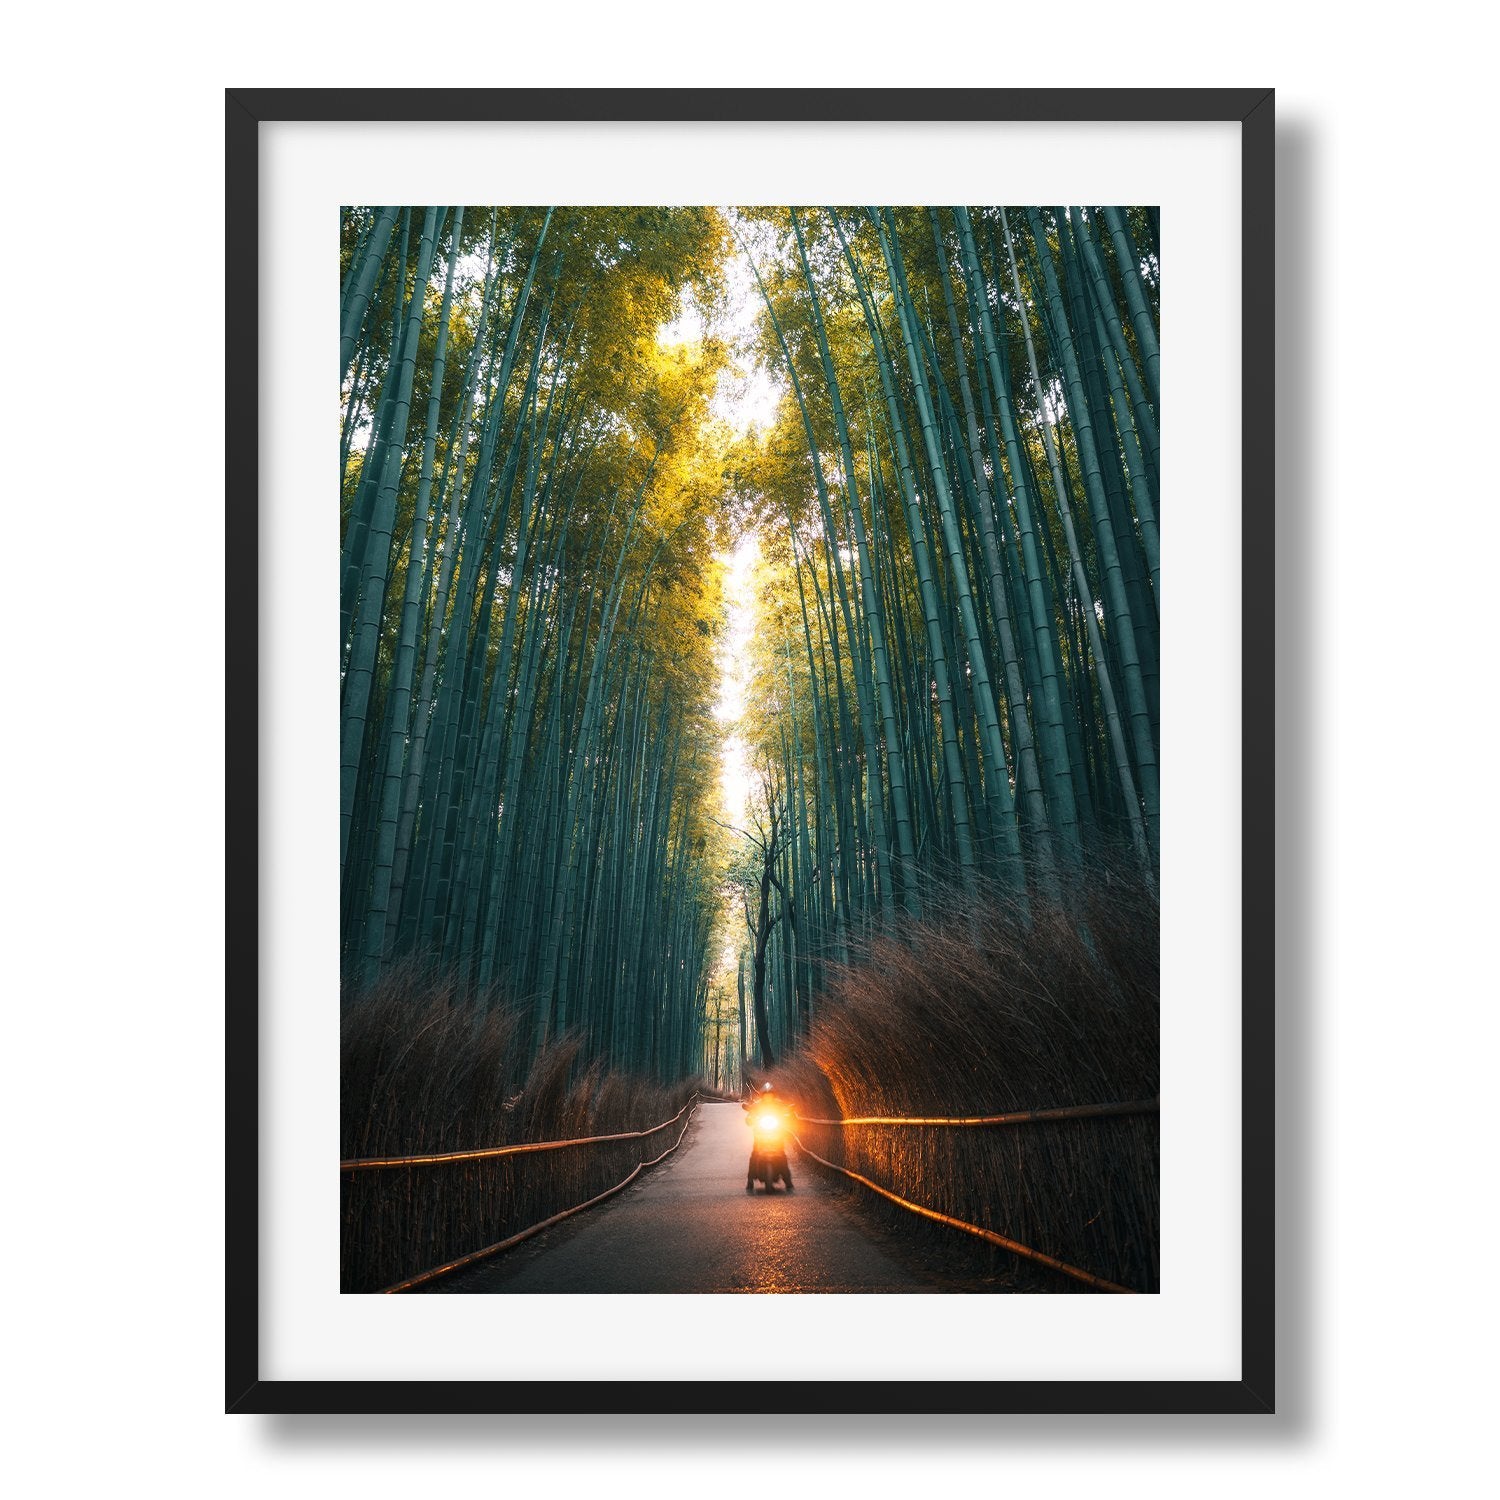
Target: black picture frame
point(245, 110)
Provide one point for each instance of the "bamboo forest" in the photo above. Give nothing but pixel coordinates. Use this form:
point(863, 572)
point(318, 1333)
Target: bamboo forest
point(749, 674)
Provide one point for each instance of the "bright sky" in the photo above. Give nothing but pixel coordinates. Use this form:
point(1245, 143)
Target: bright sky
point(747, 396)
point(734, 672)
point(748, 392)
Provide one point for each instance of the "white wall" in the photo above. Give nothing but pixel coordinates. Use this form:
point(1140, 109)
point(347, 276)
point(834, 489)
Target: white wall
point(1388, 543)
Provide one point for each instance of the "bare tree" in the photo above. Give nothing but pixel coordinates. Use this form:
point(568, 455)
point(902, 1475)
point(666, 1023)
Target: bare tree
point(769, 822)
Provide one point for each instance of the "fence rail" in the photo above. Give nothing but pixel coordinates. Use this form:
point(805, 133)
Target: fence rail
point(1016, 1117)
point(477, 1255)
point(487, 1153)
point(977, 1230)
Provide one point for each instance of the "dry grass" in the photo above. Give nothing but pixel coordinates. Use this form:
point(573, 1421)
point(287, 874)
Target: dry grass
point(425, 1069)
point(979, 1013)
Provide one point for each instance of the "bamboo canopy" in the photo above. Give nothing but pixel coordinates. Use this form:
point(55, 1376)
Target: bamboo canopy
point(952, 680)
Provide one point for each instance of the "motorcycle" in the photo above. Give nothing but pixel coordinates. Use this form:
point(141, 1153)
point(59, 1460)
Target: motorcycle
point(768, 1123)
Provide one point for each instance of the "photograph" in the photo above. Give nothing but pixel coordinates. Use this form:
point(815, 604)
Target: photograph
point(781, 926)
point(749, 791)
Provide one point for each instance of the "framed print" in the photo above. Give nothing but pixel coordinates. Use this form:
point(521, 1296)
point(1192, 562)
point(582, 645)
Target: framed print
point(722, 805)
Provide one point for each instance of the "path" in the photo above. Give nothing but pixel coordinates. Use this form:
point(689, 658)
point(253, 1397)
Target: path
point(689, 1226)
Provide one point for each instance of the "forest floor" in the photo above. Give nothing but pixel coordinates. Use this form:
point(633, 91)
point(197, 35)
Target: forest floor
point(689, 1225)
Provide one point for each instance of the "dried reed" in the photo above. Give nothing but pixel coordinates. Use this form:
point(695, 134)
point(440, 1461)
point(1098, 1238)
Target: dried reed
point(986, 1011)
point(427, 1069)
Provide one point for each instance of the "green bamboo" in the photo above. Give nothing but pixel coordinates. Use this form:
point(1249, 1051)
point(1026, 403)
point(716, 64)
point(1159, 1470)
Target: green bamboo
point(1135, 298)
point(1060, 491)
point(1123, 635)
point(997, 771)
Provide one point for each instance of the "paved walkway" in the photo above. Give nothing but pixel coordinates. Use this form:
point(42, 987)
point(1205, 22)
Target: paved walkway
point(688, 1225)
